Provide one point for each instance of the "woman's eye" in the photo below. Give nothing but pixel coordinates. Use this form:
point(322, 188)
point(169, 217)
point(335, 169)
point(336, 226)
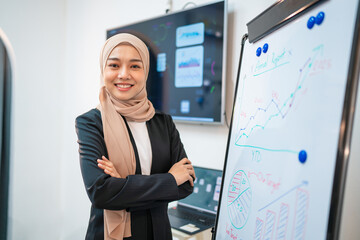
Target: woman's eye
point(135, 66)
point(113, 65)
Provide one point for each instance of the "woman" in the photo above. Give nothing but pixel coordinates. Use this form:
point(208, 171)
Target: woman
point(132, 160)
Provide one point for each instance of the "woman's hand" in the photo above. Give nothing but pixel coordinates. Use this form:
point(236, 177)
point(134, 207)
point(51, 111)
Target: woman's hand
point(183, 171)
point(108, 167)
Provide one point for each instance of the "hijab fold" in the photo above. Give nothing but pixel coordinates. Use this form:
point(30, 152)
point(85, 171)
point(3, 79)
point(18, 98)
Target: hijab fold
point(117, 224)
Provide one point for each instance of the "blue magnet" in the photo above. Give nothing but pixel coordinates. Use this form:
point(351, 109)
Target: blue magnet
point(265, 47)
point(320, 18)
point(258, 51)
point(302, 156)
point(311, 22)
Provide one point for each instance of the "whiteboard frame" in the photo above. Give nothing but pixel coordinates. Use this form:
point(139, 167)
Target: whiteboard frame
point(277, 15)
point(344, 142)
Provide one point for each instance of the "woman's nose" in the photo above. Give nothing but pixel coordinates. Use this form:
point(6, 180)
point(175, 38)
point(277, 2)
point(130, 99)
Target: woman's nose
point(123, 73)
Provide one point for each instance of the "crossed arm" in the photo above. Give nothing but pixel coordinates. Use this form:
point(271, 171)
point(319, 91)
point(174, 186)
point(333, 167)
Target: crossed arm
point(135, 191)
point(182, 171)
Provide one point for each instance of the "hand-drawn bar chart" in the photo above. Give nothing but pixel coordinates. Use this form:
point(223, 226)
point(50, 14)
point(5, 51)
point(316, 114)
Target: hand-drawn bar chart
point(283, 221)
point(273, 222)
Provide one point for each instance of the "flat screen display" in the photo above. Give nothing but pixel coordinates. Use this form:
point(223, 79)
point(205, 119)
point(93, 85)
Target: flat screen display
point(205, 196)
point(186, 78)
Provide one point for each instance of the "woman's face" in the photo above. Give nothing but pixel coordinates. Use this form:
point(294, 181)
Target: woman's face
point(124, 74)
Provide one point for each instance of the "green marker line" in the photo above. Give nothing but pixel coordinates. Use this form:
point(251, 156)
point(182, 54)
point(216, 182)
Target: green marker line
point(268, 149)
point(271, 69)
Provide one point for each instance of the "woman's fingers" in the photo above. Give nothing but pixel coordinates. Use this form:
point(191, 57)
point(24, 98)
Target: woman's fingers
point(100, 164)
point(183, 171)
point(192, 174)
point(191, 170)
point(106, 165)
point(105, 162)
point(107, 169)
point(187, 164)
point(185, 161)
point(108, 172)
point(191, 180)
point(189, 167)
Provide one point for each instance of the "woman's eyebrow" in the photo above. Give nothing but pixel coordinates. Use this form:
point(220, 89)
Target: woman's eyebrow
point(113, 59)
point(117, 59)
point(135, 60)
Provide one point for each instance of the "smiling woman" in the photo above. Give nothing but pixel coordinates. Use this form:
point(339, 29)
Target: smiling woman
point(132, 160)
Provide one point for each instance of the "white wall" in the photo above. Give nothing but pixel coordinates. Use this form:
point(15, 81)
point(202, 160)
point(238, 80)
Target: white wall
point(57, 45)
point(36, 30)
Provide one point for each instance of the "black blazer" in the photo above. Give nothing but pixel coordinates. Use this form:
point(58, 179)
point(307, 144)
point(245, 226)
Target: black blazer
point(145, 197)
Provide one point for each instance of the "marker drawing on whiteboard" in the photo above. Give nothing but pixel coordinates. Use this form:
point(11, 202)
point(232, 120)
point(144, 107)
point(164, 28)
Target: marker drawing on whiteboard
point(239, 199)
point(269, 224)
point(259, 224)
point(292, 211)
point(301, 210)
point(284, 194)
point(277, 60)
point(230, 231)
point(250, 122)
point(283, 221)
point(266, 178)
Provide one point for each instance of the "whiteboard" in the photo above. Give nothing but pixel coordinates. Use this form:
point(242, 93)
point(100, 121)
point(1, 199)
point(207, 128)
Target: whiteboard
point(283, 141)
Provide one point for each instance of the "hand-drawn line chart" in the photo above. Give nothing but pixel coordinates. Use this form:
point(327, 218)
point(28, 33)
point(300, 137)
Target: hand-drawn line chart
point(275, 109)
point(239, 199)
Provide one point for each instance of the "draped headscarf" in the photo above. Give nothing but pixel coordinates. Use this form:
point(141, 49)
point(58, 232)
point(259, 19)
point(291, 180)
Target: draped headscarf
point(121, 153)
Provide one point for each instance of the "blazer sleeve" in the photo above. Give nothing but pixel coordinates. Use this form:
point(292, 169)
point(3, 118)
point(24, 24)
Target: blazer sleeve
point(106, 192)
point(178, 153)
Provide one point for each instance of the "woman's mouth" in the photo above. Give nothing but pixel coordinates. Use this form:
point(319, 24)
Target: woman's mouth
point(123, 87)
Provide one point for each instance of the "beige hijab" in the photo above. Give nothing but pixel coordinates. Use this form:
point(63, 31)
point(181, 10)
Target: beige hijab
point(121, 153)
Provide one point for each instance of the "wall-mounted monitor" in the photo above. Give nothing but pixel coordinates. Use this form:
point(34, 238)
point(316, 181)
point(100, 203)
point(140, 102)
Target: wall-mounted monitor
point(187, 61)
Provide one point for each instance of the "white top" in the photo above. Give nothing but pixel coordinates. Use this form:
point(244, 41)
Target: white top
point(143, 145)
